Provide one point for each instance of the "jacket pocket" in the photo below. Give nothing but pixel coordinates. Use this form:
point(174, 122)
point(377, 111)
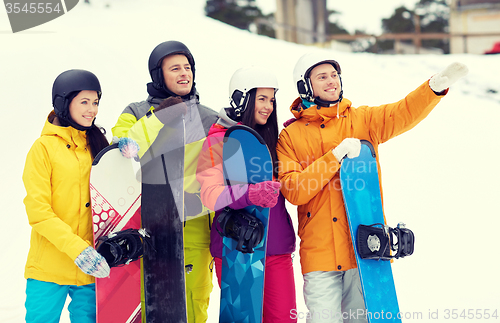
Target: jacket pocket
point(198, 303)
point(40, 250)
point(304, 218)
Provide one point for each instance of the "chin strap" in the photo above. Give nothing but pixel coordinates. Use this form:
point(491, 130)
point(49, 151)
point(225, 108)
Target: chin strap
point(325, 103)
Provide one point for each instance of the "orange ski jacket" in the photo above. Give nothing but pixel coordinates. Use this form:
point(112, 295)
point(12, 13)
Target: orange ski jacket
point(309, 172)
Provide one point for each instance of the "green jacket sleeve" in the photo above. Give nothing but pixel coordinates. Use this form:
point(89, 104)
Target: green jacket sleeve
point(144, 131)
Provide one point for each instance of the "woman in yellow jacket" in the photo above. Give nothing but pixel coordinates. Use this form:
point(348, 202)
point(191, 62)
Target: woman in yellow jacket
point(311, 149)
point(61, 260)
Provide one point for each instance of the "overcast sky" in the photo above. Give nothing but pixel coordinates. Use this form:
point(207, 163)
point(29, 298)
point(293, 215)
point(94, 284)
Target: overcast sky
point(364, 15)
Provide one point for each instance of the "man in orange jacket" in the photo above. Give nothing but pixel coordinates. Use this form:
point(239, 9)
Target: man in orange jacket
point(310, 151)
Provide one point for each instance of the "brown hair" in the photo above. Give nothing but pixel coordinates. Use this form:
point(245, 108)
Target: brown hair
point(268, 131)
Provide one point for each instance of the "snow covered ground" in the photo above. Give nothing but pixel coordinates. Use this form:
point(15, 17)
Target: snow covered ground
point(441, 178)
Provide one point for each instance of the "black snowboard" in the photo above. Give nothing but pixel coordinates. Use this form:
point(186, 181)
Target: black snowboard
point(163, 218)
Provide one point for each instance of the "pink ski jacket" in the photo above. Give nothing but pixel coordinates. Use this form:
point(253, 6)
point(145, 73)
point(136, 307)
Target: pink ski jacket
point(216, 196)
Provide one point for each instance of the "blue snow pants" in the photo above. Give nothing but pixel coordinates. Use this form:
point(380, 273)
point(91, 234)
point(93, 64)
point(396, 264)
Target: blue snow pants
point(45, 302)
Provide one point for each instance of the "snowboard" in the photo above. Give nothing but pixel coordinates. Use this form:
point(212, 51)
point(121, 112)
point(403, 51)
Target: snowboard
point(362, 198)
point(246, 159)
point(116, 205)
point(162, 214)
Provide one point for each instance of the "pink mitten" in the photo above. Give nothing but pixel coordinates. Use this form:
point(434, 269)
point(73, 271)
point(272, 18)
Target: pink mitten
point(264, 194)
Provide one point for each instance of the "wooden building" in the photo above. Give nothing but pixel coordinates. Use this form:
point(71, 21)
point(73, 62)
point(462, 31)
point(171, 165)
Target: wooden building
point(477, 24)
point(301, 21)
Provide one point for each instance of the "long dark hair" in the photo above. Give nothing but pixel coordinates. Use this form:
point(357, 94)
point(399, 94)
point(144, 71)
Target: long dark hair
point(96, 139)
point(268, 132)
point(96, 135)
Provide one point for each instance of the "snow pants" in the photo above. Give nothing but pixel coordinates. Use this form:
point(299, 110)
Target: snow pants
point(334, 297)
point(198, 283)
point(279, 289)
point(45, 302)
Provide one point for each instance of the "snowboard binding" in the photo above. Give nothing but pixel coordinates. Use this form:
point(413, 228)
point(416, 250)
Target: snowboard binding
point(122, 247)
point(377, 240)
point(241, 226)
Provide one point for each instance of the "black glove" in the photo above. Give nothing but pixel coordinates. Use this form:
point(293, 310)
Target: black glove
point(170, 108)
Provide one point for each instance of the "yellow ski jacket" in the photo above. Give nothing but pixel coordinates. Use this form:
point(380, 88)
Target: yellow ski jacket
point(56, 177)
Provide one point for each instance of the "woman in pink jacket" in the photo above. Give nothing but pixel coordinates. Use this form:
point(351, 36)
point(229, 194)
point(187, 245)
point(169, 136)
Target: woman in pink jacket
point(253, 104)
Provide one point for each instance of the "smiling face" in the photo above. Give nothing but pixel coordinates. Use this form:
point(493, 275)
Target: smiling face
point(325, 82)
point(177, 74)
point(84, 107)
point(264, 105)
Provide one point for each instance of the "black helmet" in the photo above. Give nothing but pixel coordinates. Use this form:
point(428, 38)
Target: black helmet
point(67, 84)
point(158, 54)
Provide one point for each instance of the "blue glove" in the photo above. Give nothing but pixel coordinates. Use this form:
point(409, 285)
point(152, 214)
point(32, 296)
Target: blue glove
point(92, 263)
point(127, 146)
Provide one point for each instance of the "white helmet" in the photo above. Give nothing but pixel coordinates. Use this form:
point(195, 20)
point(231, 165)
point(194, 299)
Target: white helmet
point(301, 75)
point(245, 79)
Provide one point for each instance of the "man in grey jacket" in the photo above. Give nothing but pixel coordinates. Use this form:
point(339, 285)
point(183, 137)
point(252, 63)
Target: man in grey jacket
point(168, 121)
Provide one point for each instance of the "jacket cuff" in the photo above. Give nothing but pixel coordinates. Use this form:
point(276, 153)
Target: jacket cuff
point(77, 247)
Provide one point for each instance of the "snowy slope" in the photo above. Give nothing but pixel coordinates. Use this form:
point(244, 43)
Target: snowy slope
point(441, 178)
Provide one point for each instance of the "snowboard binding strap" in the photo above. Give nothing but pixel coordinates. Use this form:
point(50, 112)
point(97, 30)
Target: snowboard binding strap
point(377, 240)
point(242, 227)
point(122, 247)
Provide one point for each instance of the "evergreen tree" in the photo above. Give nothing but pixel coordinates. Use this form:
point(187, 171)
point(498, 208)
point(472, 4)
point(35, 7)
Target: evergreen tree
point(434, 17)
point(400, 22)
point(240, 14)
point(334, 28)
point(267, 29)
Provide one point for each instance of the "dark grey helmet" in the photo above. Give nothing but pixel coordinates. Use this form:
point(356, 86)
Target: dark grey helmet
point(67, 84)
point(158, 54)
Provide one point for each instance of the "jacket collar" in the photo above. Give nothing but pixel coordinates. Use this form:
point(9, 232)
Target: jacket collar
point(224, 119)
point(191, 99)
point(68, 134)
point(314, 113)
point(162, 94)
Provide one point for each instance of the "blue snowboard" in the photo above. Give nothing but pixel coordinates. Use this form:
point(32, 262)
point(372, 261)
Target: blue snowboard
point(363, 203)
point(246, 160)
